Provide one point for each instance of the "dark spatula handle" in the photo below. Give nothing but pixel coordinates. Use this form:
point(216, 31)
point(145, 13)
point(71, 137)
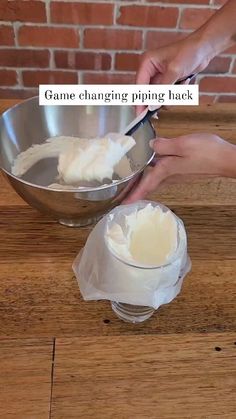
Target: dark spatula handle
point(185, 79)
point(152, 112)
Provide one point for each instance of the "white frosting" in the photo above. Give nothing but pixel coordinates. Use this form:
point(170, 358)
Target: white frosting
point(148, 237)
point(93, 159)
point(50, 148)
point(80, 159)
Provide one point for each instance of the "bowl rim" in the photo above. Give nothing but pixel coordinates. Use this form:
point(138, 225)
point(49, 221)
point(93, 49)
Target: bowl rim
point(81, 188)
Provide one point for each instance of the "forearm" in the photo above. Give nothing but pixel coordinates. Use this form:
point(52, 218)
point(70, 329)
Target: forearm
point(219, 32)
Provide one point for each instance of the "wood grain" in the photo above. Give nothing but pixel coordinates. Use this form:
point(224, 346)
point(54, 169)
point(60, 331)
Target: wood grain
point(154, 377)
point(105, 368)
point(221, 116)
point(43, 299)
point(25, 379)
point(192, 191)
point(29, 236)
point(8, 195)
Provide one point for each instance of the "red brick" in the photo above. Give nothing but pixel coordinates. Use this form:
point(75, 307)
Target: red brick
point(218, 84)
point(6, 35)
point(113, 39)
point(82, 60)
point(218, 65)
point(194, 18)
point(8, 78)
point(34, 78)
point(128, 62)
point(207, 99)
point(17, 93)
point(231, 50)
point(82, 13)
point(108, 78)
point(137, 15)
point(227, 99)
point(156, 39)
point(24, 58)
point(23, 11)
point(48, 37)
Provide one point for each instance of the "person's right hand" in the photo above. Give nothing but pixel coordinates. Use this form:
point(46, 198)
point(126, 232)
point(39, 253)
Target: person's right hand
point(171, 63)
point(188, 155)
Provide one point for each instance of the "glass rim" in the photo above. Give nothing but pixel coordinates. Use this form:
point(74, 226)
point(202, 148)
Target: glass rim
point(181, 234)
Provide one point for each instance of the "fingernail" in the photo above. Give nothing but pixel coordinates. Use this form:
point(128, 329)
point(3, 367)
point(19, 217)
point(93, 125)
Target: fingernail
point(152, 142)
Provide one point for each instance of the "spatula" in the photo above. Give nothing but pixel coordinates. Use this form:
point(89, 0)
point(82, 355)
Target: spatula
point(148, 112)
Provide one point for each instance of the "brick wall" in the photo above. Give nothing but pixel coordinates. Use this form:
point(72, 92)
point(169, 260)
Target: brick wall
point(99, 41)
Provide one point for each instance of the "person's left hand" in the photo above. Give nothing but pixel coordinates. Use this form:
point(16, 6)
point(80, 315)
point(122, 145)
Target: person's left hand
point(195, 154)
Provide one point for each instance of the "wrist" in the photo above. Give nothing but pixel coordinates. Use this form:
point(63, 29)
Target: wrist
point(213, 37)
point(205, 45)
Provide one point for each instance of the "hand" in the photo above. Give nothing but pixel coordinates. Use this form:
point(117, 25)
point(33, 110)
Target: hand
point(171, 63)
point(195, 154)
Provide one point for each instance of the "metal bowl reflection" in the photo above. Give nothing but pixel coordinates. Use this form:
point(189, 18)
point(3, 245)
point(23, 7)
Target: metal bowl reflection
point(28, 123)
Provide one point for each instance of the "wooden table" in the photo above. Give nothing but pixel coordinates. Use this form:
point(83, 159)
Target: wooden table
point(61, 357)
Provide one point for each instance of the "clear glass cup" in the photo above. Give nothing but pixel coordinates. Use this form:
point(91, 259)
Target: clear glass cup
point(131, 313)
point(135, 313)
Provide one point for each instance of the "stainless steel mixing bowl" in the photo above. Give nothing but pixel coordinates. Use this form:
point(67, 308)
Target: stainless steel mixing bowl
point(28, 123)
